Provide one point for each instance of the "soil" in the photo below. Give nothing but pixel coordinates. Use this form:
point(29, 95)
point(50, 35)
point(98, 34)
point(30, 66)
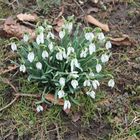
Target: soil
point(123, 18)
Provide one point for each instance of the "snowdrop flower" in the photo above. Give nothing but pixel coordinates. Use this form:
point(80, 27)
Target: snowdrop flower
point(59, 56)
point(61, 34)
point(50, 46)
point(111, 83)
point(67, 105)
point(95, 84)
point(40, 38)
point(39, 108)
point(92, 48)
point(86, 83)
point(45, 54)
point(61, 94)
point(31, 56)
point(91, 74)
point(62, 81)
point(75, 63)
point(74, 74)
point(83, 54)
point(89, 36)
point(22, 68)
point(70, 50)
point(64, 54)
point(13, 46)
point(98, 68)
point(50, 35)
point(41, 29)
point(26, 37)
point(108, 45)
point(101, 37)
point(39, 65)
point(69, 26)
point(104, 58)
point(74, 83)
point(91, 94)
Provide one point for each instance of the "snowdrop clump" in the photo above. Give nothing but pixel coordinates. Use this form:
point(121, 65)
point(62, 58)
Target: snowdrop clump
point(66, 63)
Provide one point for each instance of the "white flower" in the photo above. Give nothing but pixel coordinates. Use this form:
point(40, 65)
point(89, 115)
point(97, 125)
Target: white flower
point(39, 108)
point(92, 48)
point(39, 65)
point(50, 46)
point(98, 68)
point(101, 37)
point(95, 84)
point(69, 26)
point(104, 58)
point(74, 74)
point(59, 56)
point(89, 36)
point(91, 74)
point(83, 53)
point(45, 54)
point(61, 94)
point(74, 83)
point(31, 56)
point(75, 63)
point(13, 46)
point(26, 37)
point(50, 35)
point(67, 105)
point(62, 81)
point(41, 29)
point(111, 83)
point(64, 54)
point(86, 83)
point(40, 38)
point(70, 50)
point(91, 94)
point(22, 68)
point(108, 45)
point(61, 34)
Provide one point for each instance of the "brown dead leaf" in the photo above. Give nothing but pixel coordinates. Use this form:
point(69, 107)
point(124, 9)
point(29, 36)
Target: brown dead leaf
point(8, 69)
point(125, 41)
point(94, 21)
point(27, 17)
point(14, 29)
point(76, 117)
point(52, 99)
point(58, 24)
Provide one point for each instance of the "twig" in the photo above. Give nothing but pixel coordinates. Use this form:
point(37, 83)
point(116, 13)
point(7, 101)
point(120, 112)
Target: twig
point(1, 109)
point(79, 6)
point(27, 95)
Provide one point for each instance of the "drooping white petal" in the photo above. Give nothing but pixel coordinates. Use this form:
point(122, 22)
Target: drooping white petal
point(45, 54)
point(62, 81)
point(104, 58)
point(91, 94)
point(101, 36)
point(111, 83)
point(108, 45)
point(61, 94)
point(13, 46)
point(22, 68)
point(98, 68)
point(39, 108)
point(61, 34)
point(89, 36)
point(50, 46)
point(74, 74)
point(69, 26)
point(92, 48)
point(95, 84)
point(83, 54)
point(86, 83)
point(26, 37)
point(91, 74)
point(31, 56)
point(39, 65)
point(75, 63)
point(70, 50)
point(74, 83)
point(67, 105)
point(59, 56)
